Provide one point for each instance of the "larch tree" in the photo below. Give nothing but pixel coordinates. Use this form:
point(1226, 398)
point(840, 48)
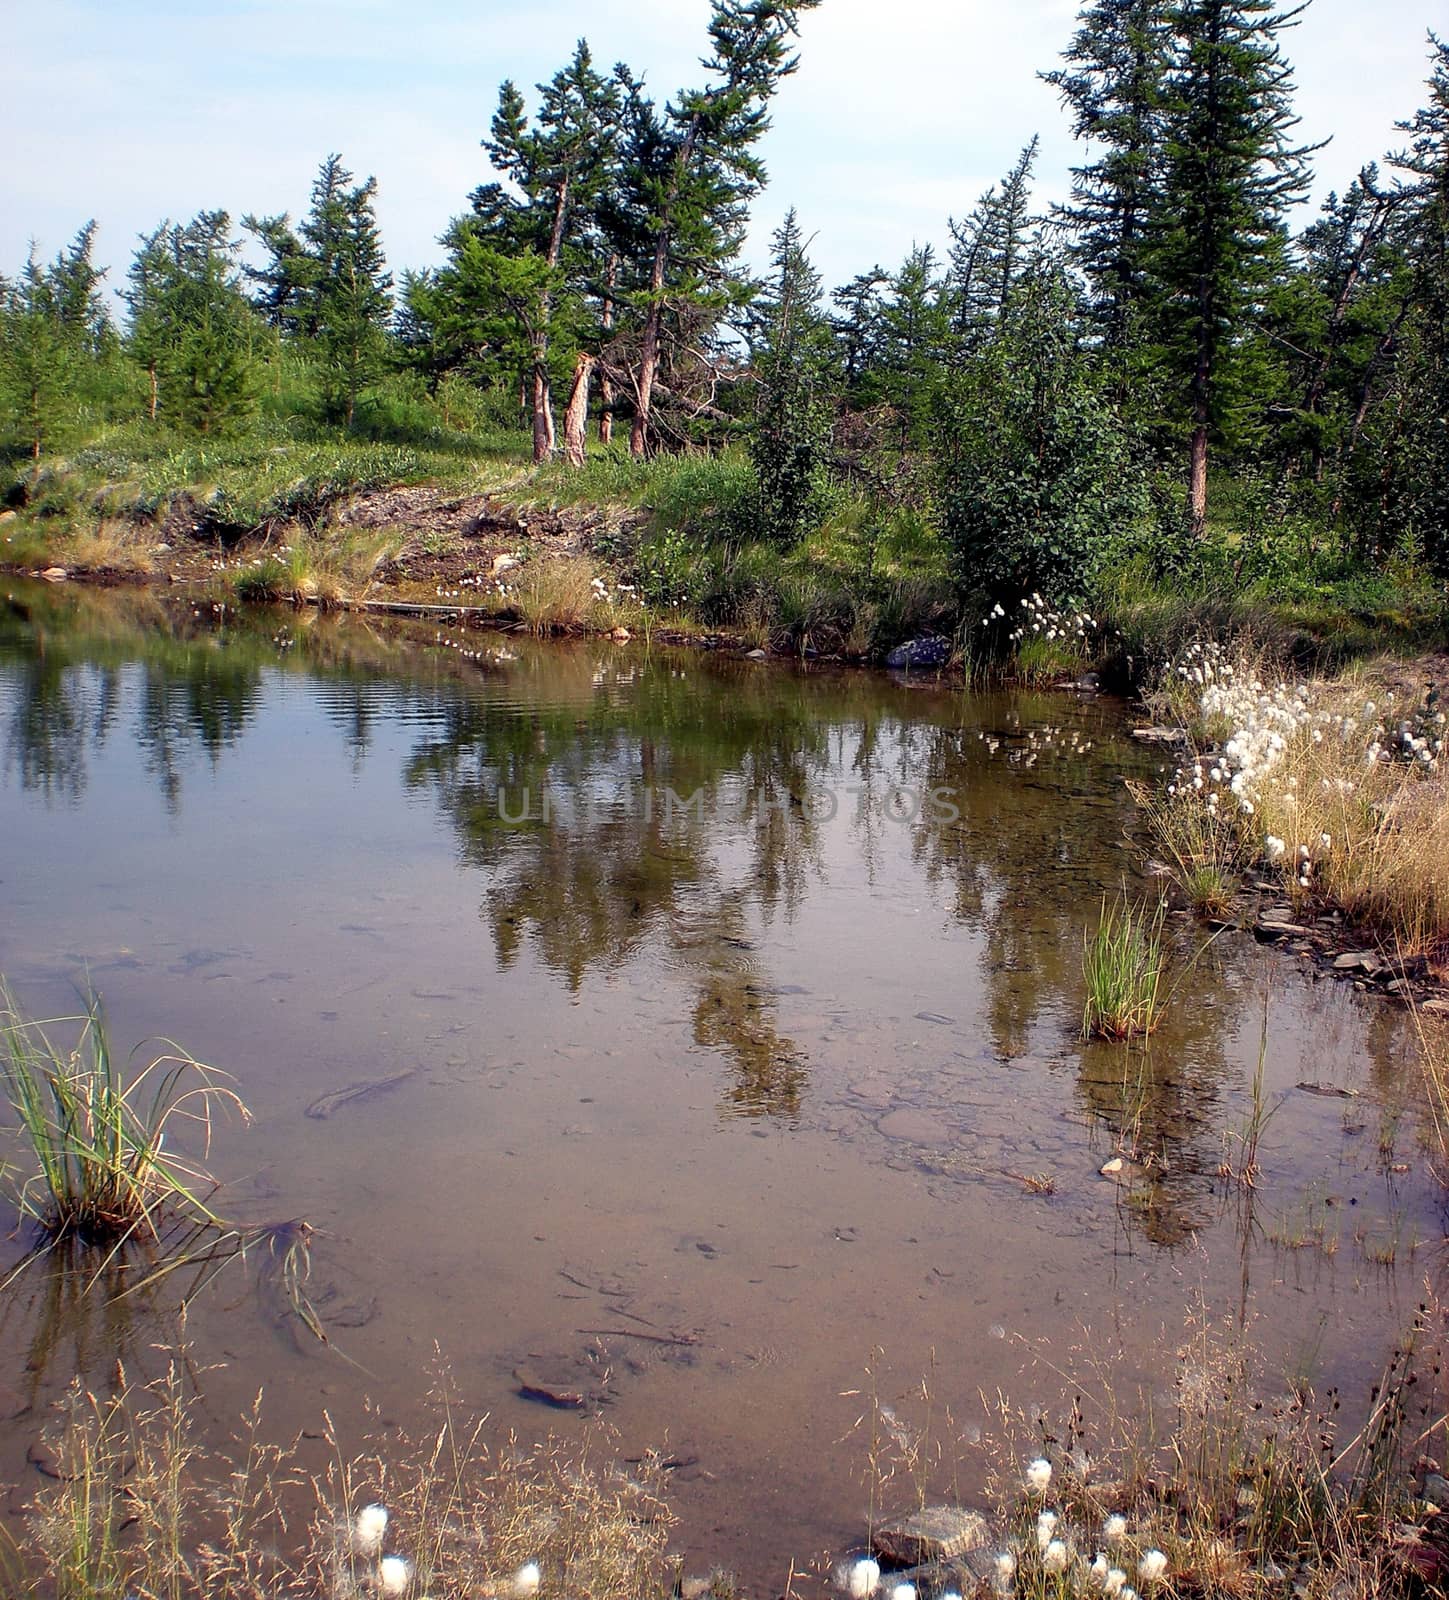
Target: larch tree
point(559, 167)
point(696, 169)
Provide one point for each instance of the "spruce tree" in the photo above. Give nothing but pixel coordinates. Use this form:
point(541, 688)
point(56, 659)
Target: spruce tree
point(1230, 171)
point(790, 430)
point(1417, 446)
point(1114, 85)
point(989, 253)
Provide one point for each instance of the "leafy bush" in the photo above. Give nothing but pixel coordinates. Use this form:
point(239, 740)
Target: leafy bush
point(1034, 470)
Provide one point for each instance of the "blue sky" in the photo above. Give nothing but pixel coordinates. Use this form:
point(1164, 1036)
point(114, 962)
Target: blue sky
point(900, 115)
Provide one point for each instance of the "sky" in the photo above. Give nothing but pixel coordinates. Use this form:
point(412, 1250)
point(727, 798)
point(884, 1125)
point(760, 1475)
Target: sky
point(901, 114)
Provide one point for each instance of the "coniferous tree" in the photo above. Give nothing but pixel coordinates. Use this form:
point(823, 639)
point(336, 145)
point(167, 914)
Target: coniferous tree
point(989, 253)
point(1230, 171)
point(695, 169)
point(1114, 86)
point(37, 357)
point(790, 430)
point(191, 324)
point(1416, 447)
point(560, 168)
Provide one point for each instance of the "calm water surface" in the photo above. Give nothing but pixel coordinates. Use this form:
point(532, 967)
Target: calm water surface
point(762, 1068)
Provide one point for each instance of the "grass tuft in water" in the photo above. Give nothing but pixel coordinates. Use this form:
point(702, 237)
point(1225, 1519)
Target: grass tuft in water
point(98, 1126)
point(1122, 961)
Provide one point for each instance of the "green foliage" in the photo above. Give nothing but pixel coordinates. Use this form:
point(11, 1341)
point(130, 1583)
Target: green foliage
point(191, 325)
point(1035, 471)
point(1122, 965)
point(790, 432)
point(98, 1130)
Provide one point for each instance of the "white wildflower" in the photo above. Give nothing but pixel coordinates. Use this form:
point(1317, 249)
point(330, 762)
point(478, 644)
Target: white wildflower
point(368, 1528)
point(864, 1579)
point(1151, 1567)
point(394, 1576)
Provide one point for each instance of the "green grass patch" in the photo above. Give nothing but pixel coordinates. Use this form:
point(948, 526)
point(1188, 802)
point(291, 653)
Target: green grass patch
point(1122, 963)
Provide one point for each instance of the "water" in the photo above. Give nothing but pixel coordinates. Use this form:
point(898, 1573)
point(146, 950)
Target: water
point(747, 1062)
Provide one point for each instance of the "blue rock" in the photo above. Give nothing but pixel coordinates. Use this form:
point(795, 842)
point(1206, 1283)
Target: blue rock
point(931, 651)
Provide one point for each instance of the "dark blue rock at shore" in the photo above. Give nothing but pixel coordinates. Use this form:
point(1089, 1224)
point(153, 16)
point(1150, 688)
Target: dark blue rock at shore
point(932, 651)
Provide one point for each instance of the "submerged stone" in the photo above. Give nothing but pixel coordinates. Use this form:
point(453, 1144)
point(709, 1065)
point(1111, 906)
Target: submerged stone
point(939, 1533)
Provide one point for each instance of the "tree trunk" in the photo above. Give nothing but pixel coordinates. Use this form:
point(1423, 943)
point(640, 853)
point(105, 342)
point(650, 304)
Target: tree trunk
point(155, 389)
point(543, 434)
point(1197, 478)
point(606, 383)
point(649, 349)
point(576, 416)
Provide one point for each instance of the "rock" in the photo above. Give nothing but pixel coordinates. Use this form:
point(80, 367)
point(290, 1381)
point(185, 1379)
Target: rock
point(939, 1533)
point(1436, 1007)
point(42, 1456)
point(7, 516)
point(1268, 929)
point(1157, 735)
point(929, 651)
point(505, 563)
point(160, 549)
point(755, 655)
point(621, 635)
point(1356, 961)
point(914, 1127)
point(1122, 1169)
point(55, 574)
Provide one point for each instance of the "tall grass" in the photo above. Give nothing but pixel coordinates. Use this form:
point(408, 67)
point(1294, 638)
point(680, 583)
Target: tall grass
point(141, 1508)
point(98, 1126)
point(1122, 963)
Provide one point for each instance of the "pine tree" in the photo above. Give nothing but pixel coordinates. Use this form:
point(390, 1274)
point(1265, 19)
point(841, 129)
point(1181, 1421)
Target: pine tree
point(1115, 87)
point(790, 430)
point(1229, 173)
point(695, 169)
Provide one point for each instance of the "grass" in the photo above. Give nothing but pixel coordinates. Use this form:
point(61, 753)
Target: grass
point(1219, 1490)
point(1122, 963)
point(98, 1126)
point(141, 1508)
point(1337, 786)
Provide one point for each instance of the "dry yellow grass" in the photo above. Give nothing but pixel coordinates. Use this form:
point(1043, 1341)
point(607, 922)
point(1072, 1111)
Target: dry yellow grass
point(141, 1508)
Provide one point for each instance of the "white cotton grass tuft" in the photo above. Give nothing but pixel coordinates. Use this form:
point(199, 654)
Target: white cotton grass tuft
point(1116, 1581)
point(368, 1529)
point(1151, 1567)
point(864, 1579)
point(1054, 1558)
point(394, 1576)
point(526, 1581)
point(1046, 1527)
point(1038, 1475)
point(1098, 1570)
point(904, 1591)
point(1114, 1529)
point(1005, 1567)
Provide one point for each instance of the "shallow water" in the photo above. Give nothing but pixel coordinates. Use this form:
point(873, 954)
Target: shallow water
point(748, 1047)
